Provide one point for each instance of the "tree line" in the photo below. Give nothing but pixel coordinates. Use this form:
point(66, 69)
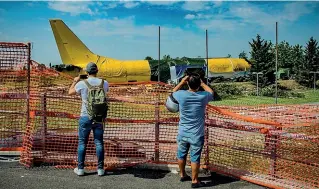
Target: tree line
point(296, 61)
point(299, 61)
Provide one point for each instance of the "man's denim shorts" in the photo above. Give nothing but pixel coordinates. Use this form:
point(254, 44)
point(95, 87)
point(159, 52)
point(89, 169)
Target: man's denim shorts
point(195, 146)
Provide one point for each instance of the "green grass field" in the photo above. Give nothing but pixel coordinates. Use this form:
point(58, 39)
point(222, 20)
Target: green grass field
point(311, 96)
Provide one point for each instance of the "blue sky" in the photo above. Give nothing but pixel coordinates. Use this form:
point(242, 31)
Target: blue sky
point(129, 29)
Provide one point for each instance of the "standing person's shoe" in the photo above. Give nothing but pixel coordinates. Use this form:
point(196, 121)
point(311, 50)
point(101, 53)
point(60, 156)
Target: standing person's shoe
point(100, 172)
point(185, 178)
point(198, 185)
point(79, 172)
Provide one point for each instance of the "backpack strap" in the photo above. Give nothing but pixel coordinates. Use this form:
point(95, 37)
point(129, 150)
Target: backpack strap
point(102, 84)
point(87, 84)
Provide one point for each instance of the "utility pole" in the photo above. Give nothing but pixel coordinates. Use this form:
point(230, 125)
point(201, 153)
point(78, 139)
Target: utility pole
point(159, 54)
point(206, 58)
point(257, 73)
point(314, 79)
point(157, 107)
point(276, 62)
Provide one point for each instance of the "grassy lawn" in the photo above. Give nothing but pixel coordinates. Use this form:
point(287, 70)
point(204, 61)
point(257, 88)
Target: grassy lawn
point(310, 97)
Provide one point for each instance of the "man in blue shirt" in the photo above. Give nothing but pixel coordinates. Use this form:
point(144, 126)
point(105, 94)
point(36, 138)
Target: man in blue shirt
point(192, 106)
point(85, 124)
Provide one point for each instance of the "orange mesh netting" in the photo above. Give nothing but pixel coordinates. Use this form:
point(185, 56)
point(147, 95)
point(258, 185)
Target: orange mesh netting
point(14, 58)
point(275, 146)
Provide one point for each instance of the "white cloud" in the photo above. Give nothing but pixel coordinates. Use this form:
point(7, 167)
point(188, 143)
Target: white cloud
point(296, 9)
point(112, 4)
point(255, 15)
point(123, 33)
point(122, 27)
point(109, 5)
point(73, 8)
point(196, 5)
point(189, 17)
point(199, 16)
point(244, 14)
point(161, 2)
point(130, 5)
point(217, 24)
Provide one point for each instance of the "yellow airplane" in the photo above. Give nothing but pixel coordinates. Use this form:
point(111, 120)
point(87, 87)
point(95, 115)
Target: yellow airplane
point(74, 52)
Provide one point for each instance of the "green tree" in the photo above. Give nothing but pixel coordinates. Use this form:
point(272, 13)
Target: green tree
point(229, 55)
point(298, 58)
point(262, 60)
point(69, 67)
point(167, 57)
point(304, 77)
point(184, 58)
point(59, 67)
point(242, 55)
point(168, 60)
point(285, 55)
point(148, 58)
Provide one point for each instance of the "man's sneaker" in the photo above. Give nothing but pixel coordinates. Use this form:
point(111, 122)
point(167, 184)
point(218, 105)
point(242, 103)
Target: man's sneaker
point(79, 172)
point(100, 172)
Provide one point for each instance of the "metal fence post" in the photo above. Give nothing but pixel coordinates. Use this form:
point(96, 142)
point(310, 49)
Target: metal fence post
point(314, 79)
point(276, 98)
point(28, 82)
point(257, 75)
point(206, 57)
point(157, 134)
point(44, 123)
point(272, 147)
point(157, 116)
point(207, 143)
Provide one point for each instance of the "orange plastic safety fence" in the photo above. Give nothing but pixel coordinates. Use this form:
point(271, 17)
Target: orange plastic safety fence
point(14, 58)
point(284, 155)
point(275, 146)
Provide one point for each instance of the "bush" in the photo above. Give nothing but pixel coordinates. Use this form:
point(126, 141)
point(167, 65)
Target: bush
point(284, 92)
point(242, 79)
point(226, 90)
point(218, 79)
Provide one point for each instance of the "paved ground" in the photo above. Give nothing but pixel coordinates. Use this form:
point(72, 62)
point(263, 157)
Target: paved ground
point(14, 176)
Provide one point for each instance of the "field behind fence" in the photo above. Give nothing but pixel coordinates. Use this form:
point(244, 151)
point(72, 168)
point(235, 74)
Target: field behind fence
point(272, 145)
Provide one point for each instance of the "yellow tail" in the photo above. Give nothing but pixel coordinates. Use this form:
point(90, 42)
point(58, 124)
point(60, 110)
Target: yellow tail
point(72, 49)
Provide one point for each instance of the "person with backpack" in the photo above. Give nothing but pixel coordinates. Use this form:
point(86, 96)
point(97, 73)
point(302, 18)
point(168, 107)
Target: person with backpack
point(93, 113)
point(192, 105)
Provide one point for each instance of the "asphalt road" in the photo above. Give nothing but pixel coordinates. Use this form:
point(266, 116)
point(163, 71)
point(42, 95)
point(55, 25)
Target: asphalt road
point(13, 175)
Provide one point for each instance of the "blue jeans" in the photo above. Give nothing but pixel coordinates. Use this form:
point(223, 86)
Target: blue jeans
point(85, 127)
point(195, 146)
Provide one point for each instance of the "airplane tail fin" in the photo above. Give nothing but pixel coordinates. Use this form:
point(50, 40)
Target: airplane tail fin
point(72, 49)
